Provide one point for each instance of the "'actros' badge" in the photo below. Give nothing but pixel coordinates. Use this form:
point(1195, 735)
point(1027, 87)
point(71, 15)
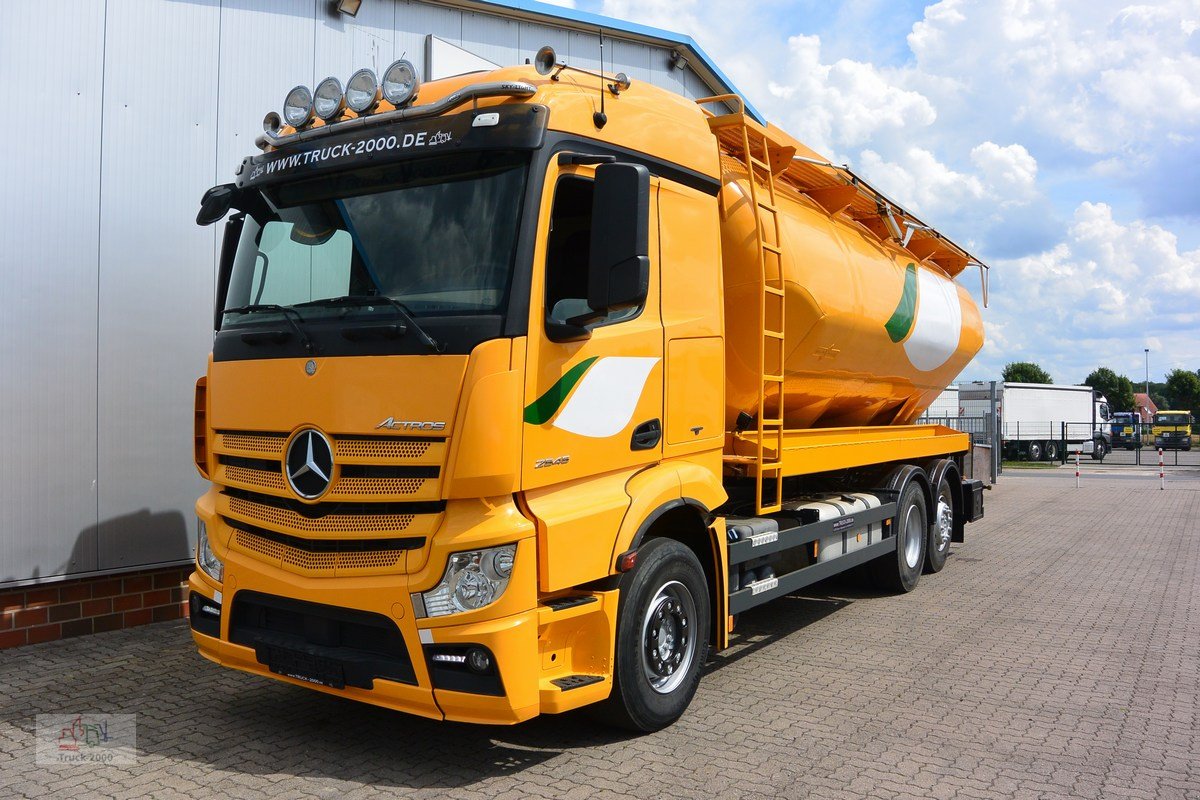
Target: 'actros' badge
point(393, 424)
point(309, 464)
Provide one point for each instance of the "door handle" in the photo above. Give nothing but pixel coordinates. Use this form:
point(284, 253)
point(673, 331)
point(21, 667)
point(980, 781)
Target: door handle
point(646, 436)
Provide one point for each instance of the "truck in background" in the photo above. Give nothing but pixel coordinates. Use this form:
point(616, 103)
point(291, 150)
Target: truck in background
point(1126, 430)
point(945, 405)
point(1173, 430)
point(517, 399)
point(1044, 422)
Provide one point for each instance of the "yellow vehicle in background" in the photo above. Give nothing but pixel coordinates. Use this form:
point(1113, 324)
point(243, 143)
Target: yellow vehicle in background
point(1173, 430)
point(520, 395)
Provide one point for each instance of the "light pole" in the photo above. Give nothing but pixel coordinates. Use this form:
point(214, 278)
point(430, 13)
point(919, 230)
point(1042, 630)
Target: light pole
point(1147, 373)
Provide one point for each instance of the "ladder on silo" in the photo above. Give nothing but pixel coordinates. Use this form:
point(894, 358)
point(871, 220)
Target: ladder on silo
point(743, 138)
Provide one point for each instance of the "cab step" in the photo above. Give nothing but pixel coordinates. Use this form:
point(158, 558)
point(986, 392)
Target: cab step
point(570, 682)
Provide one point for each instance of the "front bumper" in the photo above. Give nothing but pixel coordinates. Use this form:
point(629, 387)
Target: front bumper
point(318, 623)
point(512, 640)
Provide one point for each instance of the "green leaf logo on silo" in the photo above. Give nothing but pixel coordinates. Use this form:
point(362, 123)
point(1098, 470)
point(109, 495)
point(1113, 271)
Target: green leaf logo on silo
point(905, 314)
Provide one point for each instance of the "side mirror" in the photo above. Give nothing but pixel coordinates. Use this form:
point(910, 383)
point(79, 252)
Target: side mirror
point(215, 203)
point(619, 264)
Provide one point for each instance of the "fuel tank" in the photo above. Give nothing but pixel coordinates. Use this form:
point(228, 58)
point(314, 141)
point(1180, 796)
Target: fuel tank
point(872, 335)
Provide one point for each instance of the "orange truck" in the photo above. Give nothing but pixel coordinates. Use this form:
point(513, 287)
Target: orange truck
point(522, 391)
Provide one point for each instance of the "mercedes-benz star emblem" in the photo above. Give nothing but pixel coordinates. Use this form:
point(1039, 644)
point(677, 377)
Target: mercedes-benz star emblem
point(309, 464)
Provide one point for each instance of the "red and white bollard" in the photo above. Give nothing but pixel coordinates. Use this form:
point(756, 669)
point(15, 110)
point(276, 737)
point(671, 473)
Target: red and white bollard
point(1162, 476)
point(1076, 469)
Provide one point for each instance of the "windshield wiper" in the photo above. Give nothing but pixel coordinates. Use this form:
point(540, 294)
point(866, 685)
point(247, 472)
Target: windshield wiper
point(293, 317)
point(374, 299)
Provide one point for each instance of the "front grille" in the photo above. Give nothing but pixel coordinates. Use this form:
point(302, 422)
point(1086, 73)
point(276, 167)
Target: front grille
point(322, 556)
point(330, 523)
point(352, 647)
point(268, 444)
point(381, 448)
point(256, 477)
point(372, 467)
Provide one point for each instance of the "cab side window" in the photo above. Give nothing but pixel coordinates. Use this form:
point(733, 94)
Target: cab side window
point(567, 254)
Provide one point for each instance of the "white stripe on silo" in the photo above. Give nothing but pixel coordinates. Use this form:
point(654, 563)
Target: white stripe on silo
point(938, 326)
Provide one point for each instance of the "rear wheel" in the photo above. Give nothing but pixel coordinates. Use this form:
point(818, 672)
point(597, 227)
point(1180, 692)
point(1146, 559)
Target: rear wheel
point(899, 572)
point(1035, 451)
point(942, 529)
point(1052, 451)
point(662, 638)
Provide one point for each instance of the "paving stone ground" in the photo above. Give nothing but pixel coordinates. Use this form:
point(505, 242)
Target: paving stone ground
point(1056, 656)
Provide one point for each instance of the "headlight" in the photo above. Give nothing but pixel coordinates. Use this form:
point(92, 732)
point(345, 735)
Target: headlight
point(472, 580)
point(205, 557)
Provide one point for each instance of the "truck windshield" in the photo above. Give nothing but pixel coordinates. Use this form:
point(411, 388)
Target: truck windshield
point(438, 235)
point(1172, 419)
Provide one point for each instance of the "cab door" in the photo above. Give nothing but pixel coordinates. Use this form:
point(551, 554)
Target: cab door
point(594, 405)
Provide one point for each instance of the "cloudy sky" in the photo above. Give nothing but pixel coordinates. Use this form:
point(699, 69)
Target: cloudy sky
point(1058, 140)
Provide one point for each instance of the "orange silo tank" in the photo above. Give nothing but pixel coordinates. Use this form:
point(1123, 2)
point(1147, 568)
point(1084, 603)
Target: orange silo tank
point(872, 334)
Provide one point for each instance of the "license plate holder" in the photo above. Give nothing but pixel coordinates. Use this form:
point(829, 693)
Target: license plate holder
point(306, 667)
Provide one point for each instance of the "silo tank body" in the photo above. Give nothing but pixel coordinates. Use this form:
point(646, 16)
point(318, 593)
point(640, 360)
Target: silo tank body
point(871, 336)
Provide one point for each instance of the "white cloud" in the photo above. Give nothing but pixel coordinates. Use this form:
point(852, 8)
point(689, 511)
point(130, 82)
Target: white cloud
point(1097, 75)
point(844, 104)
point(1108, 289)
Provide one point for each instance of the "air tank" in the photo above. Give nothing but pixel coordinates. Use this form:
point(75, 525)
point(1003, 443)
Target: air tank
point(871, 336)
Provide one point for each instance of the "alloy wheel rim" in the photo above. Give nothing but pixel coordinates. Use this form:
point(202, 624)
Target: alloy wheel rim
point(668, 640)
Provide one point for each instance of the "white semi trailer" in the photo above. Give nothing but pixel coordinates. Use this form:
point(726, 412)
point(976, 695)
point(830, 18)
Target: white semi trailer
point(1041, 422)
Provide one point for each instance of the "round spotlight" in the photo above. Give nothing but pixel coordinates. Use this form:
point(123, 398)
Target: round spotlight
point(478, 659)
point(328, 100)
point(400, 82)
point(362, 92)
point(272, 123)
point(546, 60)
point(298, 107)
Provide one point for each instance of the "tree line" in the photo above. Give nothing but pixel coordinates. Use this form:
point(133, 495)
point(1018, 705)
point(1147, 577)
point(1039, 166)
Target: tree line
point(1181, 390)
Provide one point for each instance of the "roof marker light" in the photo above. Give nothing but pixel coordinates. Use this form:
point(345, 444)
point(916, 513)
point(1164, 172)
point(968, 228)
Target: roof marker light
point(362, 92)
point(298, 107)
point(400, 82)
point(329, 101)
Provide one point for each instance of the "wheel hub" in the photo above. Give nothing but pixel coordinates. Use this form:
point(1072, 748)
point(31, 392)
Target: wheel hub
point(667, 644)
point(945, 524)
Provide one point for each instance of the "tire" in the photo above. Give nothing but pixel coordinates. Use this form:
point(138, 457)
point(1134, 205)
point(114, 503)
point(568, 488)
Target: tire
point(667, 589)
point(900, 571)
point(1035, 451)
point(1052, 451)
point(941, 528)
point(1098, 450)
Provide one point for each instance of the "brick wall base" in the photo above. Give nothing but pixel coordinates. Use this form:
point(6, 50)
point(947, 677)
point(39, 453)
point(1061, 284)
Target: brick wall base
point(33, 614)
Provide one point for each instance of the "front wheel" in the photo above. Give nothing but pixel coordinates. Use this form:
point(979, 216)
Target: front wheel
point(1035, 451)
point(1098, 450)
point(662, 638)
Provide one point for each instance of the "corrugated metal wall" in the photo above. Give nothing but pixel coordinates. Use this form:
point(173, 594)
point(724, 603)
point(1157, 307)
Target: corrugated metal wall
point(134, 108)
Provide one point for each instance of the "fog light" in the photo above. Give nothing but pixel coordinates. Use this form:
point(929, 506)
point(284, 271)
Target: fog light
point(478, 660)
